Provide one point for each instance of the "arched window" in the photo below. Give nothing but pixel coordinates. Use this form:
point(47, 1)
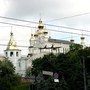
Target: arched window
point(17, 54)
point(6, 54)
point(11, 54)
point(19, 64)
point(63, 50)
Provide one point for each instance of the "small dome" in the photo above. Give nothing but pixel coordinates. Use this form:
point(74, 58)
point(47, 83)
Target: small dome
point(45, 32)
point(11, 44)
point(40, 26)
point(36, 34)
point(32, 37)
point(82, 38)
point(71, 40)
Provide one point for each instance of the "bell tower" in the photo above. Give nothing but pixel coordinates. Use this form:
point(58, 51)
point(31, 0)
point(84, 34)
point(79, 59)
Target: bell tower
point(12, 52)
point(82, 41)
point(38, 40)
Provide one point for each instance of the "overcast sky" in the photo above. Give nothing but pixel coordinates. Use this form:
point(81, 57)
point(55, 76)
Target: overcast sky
point(48, 10)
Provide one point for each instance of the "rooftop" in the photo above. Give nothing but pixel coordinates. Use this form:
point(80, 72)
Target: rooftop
point(59, 41)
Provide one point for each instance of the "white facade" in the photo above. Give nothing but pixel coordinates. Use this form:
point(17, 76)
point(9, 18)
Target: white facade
point(41, 44)
point(14, 55)
point(22, 65)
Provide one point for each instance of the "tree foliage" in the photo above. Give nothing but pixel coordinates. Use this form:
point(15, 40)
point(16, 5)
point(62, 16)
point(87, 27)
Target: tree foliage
point(8, 78)
point(69, 66)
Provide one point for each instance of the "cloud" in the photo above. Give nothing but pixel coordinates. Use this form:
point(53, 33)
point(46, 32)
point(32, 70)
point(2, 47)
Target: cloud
point(49, 9)
point(52, 9)
point(30, 7)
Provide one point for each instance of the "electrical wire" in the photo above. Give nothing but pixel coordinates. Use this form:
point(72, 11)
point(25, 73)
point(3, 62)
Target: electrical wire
point(17, 45)
point(67, 37)
point(50, 20)
point(77, 15)
point(18, 19)
point(49, 29)
point(44, 24)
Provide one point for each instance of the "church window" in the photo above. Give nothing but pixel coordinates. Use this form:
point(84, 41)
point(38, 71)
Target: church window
point(63, 50)
point(19, 64)
point(58, 50)
point(66, 50)
point(6, 54)
point(11, 54)
point(17, 54)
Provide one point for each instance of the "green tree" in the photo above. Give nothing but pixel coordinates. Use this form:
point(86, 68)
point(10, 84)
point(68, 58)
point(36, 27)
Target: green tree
point(8, 78)
point(68, 66)
point(74, 46)
point(28, 72)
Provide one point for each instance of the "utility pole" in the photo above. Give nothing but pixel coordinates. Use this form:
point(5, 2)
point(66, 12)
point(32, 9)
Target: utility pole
point(84, 74)
point(84, 69)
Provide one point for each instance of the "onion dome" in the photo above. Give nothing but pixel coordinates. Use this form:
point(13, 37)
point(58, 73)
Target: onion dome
point(72, 41)
point(11, 44)
point(36, 34)
point(82, 38)
point(32, 37)
point(40, 26)
point(45, 32)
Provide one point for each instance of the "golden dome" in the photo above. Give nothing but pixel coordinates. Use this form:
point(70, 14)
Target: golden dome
point(32, 37)
point(11, 44)
point(82, 38)
point(41, 25)
point(36, 34)
point(45, 31)
point(39, 32)
point(41, 29)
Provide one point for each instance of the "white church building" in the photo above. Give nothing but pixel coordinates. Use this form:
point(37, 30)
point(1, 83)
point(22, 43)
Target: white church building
point(40, 44)
point(13, 54)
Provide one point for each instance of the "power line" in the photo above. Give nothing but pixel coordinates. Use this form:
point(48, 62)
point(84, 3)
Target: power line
point(44, 24)
point(69, 32)
point(50, 29)
point(17, 25)
point(70, 28)
point(18, 19)
point(81, 14)
point(29, 46)
point(17, 40)
point(17, 45)
point(50, 20)
point(68, 37)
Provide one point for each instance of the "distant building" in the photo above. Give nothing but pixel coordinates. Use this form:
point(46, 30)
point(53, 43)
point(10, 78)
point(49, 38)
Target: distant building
point(41, 44)
point(22, 65)
point(14, 55)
